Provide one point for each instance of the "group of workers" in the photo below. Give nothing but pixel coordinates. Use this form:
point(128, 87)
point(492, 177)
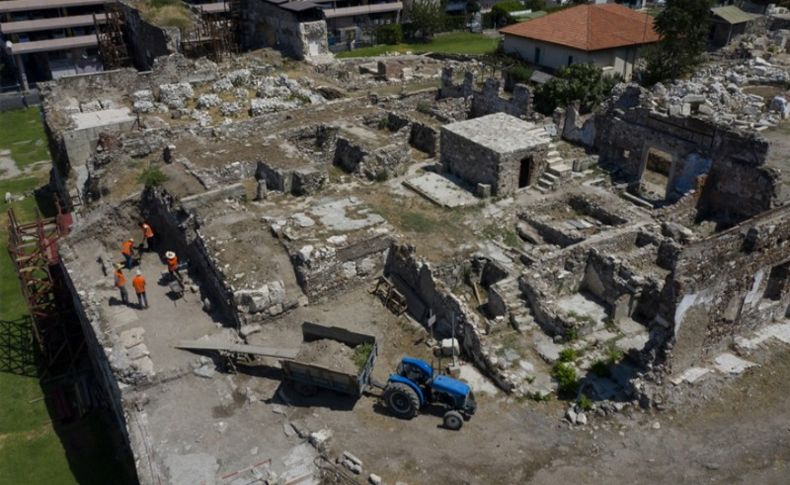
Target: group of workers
point(138, 282)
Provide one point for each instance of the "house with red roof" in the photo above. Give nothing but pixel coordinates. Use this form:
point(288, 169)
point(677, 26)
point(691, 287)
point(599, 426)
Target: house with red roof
point(608, 35)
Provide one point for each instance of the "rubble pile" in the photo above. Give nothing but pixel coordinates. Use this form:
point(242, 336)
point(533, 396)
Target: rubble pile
point(718, 92)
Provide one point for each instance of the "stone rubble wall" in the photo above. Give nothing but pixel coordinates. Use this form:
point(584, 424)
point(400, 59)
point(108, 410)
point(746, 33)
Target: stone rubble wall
point(425, 292)
point(267, 25)
point(175, 222)
point(737, 184)
point(489, 99)
point(718, 285)
point(374, 163)
point(323, 270)
point(148, 41)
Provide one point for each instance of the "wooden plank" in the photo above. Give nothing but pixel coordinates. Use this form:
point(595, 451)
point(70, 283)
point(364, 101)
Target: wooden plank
point(238, 348)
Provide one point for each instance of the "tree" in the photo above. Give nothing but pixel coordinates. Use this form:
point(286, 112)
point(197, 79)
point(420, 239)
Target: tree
point(585, 83)
point(500, 12)
point(683, 26)
point(425, 16)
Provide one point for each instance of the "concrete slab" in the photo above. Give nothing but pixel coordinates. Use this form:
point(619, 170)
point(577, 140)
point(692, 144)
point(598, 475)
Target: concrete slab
point(441, 190)
point(335, 214)
point(546, 348)
point(500, 132)
point(636, 342)
point(690, 375)
point(477, 381)
point(779, 331)
point(730, 364)
point(97, 119)
point(582, 304)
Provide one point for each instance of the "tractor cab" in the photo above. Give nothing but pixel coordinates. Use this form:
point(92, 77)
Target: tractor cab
point(414, 385)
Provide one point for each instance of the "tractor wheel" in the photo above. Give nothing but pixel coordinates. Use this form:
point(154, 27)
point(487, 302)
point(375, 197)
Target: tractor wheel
point(453, 420)
point(402, 400)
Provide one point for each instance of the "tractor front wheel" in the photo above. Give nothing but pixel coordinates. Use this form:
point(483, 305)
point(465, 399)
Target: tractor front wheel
point(402, 400)
point(453, 420)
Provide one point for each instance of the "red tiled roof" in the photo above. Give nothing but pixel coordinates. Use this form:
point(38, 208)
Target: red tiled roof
point(589, 27)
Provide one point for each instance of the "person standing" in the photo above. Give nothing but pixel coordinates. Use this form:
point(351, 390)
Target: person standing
point(139, 287)
point(172, 265)
point(127, 249)
point(148, 235)
point(120, 283)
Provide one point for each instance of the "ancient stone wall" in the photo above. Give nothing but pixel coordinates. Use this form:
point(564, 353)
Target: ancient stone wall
point(178, 227)
point(267, 25)
point(727, 284)
point(425, 294)
point(489, 98)
point(148, 41)
point(736, 183)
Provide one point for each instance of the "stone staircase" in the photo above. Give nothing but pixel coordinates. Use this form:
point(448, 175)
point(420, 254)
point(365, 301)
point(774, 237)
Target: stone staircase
point(517, 307)
point(556, 171)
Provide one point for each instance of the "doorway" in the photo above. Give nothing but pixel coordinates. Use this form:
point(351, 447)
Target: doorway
point(525, 172)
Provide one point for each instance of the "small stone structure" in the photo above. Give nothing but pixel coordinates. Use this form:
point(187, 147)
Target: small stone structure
point(497, 150)
point(297, 33)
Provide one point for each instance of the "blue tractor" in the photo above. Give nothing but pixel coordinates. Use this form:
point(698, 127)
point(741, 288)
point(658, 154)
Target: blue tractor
point(415, 385)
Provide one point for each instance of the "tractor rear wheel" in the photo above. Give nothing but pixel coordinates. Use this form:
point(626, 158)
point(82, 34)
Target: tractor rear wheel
point(402, 400)
point(453, 420)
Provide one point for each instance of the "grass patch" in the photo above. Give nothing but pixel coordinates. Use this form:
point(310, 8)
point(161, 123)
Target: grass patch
point(449, 43)
point(361, 354)
point(568, 355)
point(166, 13)
point(22, 132)
point(501, 233)
point(152, 177)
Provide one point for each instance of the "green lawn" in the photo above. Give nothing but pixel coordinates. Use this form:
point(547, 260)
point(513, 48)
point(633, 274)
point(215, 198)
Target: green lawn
point(450, 43)
point(21, 132)
point(32, 448)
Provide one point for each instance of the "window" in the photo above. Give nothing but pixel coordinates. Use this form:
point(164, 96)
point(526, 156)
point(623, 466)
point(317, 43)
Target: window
point(537, 55)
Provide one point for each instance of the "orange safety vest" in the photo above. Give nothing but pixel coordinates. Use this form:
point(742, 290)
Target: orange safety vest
point(120, 279)
point(147, 231)
point(139, 284)
point(172, 263)
point(126, 248)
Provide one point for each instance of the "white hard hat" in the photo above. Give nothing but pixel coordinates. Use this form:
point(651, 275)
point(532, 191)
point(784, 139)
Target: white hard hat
point(170, 255)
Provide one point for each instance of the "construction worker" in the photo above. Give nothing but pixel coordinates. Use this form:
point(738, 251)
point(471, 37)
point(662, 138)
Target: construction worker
point(120, 283)
point(148, 235)
point(172, 265)
point(139, 287)
point(127, 249)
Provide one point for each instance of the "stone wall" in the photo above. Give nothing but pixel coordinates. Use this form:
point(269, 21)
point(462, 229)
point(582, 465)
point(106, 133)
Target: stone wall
point(737, 185)
point(322, 270)
point(267, 25)
point(297, 181)
point(373, 162)
point(489, 99)
point(425, 293)
point(726, 285)
point(146, 41)
point(177, 224)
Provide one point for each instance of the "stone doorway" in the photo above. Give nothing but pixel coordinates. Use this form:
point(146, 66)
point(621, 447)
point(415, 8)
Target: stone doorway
point(525, 172)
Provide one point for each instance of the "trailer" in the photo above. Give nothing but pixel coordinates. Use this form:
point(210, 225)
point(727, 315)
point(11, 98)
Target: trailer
point(307, 377)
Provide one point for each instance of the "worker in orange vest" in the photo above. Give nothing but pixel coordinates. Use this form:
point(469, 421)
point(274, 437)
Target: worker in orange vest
point(139, 287)
point(120, 283)
point(148, 235)
point(172, 265)
point(127, 249)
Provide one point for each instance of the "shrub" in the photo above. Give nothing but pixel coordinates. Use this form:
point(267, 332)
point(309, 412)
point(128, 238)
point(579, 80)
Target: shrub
point(389, 34)
point(152, 177)
point(584, 402)
point(614, 355)
point(424, 106)
point(565, 375)
point(568, 355)
point(571, 334)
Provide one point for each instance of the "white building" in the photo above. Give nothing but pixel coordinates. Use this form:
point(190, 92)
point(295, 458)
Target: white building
point(609, 36)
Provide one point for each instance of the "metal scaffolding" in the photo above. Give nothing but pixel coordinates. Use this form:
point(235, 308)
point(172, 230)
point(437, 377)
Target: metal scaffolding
point(33, 248)
point(216, 35)
point(112, 45)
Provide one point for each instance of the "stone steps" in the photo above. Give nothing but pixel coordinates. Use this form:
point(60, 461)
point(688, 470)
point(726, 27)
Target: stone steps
point(520, 314)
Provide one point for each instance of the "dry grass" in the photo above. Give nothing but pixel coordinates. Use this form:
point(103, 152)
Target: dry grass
point(166, 14)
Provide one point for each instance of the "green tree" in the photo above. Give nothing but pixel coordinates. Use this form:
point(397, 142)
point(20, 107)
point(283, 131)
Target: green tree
point(585, 83)
point(425, 16)
point(500, 12)
point(683, 26)
point(535, 5)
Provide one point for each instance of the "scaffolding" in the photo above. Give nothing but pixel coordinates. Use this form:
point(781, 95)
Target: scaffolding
point(111, 42)
point(216, 35)
point(33, 248)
